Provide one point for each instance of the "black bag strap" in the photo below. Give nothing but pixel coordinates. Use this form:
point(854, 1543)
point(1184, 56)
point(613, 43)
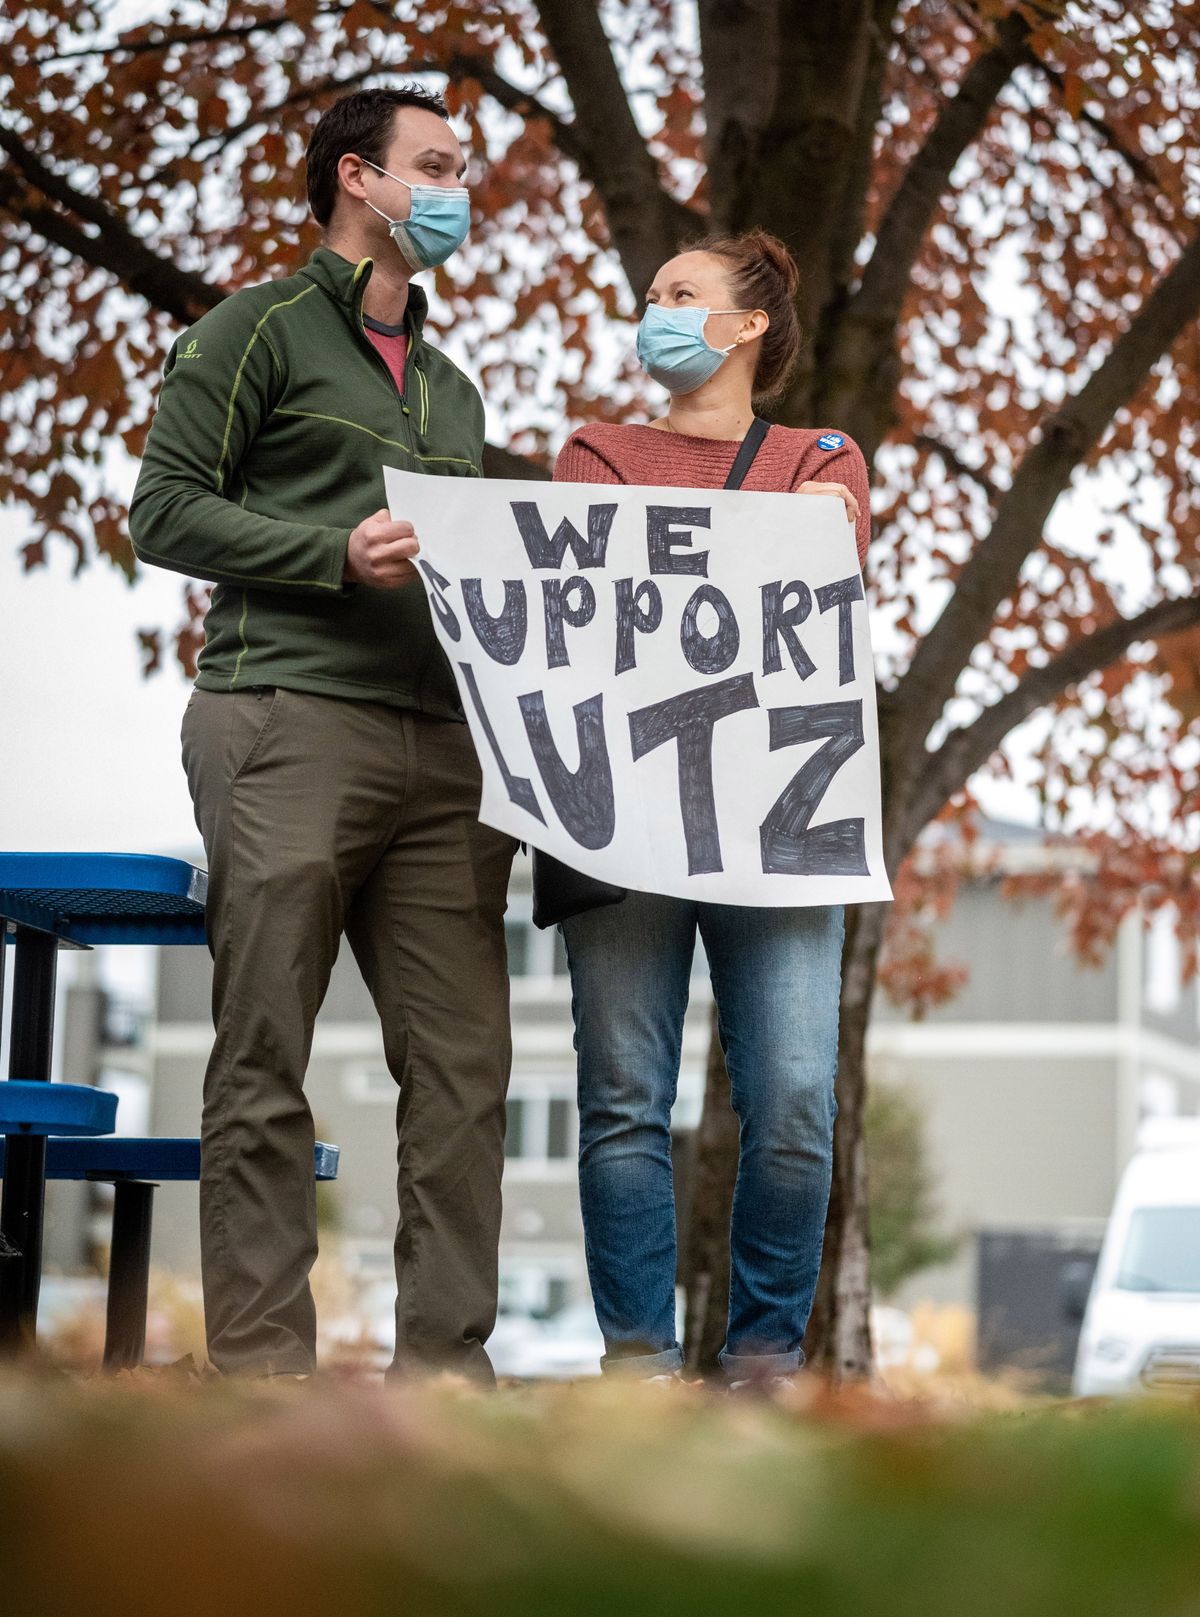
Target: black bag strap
point(747, 450)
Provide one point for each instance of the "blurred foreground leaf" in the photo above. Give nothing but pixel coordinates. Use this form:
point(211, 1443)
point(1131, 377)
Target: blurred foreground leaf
point(158, 1497)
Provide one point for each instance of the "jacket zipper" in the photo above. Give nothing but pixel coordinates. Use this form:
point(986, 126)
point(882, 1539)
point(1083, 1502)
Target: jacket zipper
point(407, 413)
point(405, 408)
point(409, 363)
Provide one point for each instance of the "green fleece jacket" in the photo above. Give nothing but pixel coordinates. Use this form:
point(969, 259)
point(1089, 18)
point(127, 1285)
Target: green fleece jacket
point(275, 421)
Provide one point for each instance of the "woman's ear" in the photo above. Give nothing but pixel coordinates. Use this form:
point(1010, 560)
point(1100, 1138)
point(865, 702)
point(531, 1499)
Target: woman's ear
point(755, 326)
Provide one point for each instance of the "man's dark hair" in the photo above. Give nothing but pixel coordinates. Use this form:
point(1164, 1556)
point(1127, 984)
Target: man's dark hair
point(359, 123)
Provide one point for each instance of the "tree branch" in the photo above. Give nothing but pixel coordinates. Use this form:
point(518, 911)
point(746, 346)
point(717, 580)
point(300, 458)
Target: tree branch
point(866, 333)
point(51, 184)
point(852, 212)
point(469, 65)
point(164, 42)
point(1137, 163)
point(53, 227)
point(265, 116)
point(967, 749)
point(461, 65)
point(646, 223)
point(114, 247)
point(993, 569)
point(956, 464)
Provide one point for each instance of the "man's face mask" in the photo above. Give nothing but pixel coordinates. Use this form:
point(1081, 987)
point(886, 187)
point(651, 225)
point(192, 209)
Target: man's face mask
point(672, 347)
point(438, 222)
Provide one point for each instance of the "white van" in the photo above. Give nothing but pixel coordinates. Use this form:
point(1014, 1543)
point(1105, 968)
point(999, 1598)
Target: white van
point(1141, 1325)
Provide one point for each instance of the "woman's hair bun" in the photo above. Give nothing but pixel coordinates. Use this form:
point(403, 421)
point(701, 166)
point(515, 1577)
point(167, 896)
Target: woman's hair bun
point(776, 254)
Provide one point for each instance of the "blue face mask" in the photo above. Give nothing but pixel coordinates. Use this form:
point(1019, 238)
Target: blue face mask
point(672, 347)
point(439, 220)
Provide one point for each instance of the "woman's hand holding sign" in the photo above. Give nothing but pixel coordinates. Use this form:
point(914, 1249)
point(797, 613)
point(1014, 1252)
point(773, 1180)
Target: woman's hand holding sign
point(379, 553)
point(833, 488)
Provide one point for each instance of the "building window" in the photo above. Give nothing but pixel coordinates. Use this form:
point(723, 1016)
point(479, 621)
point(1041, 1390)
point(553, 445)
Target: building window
point(558, 1130)
point(516, 936)
point(533, 951)
point(540, 1129)
point(514, 1129)
point(124, 1024)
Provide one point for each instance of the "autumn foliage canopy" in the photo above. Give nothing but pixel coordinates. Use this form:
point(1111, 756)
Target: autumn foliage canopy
point(1003, 202)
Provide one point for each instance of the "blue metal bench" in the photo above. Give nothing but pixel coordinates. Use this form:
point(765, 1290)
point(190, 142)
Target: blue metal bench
point(135, 1167)
point(88, 898)
point(48, 901)
point(64, 900)
point(41, 1109)
point(29, 1112)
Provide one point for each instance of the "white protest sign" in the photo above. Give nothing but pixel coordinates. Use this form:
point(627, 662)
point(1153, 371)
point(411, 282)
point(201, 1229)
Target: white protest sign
point(669, 689)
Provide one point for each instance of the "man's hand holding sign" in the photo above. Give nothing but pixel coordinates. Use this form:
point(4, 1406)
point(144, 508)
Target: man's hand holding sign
point(669, 689)
point(379, 553)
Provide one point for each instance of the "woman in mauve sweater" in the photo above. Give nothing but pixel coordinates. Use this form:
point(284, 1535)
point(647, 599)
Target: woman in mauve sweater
point(720, 330)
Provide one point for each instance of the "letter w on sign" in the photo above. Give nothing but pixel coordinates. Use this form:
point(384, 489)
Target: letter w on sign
point(696, 720)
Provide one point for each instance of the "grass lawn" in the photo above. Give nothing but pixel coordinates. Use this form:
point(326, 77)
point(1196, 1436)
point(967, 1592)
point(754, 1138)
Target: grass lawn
point(161, 1495)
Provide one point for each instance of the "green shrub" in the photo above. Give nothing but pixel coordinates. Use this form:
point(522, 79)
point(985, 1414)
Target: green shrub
point(904, 1233)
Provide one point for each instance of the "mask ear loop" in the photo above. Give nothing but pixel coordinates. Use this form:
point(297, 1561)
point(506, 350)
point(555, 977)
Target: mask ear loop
point(386, 174)
point(737, 341)
point(387, 219)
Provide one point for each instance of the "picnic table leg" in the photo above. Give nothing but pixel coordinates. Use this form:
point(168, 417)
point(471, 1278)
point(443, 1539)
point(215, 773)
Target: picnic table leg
point(30, 1048)
point(3, 964)
point(129, 1275)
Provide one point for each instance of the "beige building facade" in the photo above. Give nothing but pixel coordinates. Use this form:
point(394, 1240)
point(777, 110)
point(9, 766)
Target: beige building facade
point(1031, 1083)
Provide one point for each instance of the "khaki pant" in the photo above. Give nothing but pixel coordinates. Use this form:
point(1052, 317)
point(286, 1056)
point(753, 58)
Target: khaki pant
point(322, 816)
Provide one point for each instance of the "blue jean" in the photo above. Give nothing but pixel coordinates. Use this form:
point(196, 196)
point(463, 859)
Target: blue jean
point(775, 977)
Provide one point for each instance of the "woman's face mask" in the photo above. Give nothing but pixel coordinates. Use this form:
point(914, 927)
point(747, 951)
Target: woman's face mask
point(438, 222)
point(672, 347)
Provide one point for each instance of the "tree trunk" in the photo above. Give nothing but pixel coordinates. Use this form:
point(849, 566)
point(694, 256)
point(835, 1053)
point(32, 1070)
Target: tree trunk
point(838, 1340)
point(714, 1169)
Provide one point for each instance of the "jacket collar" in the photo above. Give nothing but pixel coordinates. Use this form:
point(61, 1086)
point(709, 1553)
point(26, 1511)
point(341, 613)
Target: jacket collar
point(346, 283)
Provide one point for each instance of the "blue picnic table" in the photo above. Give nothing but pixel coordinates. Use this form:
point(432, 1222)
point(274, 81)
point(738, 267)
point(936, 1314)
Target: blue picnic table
point(50, 901)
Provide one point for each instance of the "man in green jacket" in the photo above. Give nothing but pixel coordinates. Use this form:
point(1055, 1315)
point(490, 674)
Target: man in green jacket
point(333, 777)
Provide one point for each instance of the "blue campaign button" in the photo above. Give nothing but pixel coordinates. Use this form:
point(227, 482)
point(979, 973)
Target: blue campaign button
point(830, 440)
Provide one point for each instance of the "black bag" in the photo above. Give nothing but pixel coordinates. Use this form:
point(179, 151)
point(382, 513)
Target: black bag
point(558, 891)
